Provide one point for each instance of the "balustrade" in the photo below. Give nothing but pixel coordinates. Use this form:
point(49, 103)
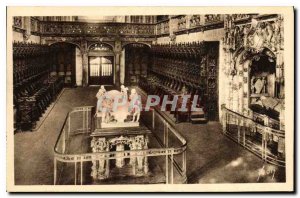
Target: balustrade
point(182, 23)
point(195, 21)
point(163, 28)
point(260, 134)
point(81, 28)
point(168, 152)
point(213, 18)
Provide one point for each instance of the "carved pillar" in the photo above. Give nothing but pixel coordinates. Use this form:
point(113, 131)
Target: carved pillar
point(85, 63)
point(107, 162)
point(241, 88)
point(146, 166)
point(118, 51)
point(100, 169)
point(27, 26)
point(132, 161)
point(120, 161)
point(140, 159)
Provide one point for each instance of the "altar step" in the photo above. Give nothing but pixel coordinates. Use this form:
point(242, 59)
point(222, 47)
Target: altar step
point(198, 117)
point(126, 170)
point(170, 116)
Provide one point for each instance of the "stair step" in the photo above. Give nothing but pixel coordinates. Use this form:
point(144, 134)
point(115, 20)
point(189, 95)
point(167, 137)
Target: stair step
point(124, 171)
point(170, 115)
point(197, 112)
point(198, 120)
point(198, 116)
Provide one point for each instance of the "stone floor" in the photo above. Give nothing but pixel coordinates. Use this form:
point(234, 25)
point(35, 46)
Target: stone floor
point(211, 157)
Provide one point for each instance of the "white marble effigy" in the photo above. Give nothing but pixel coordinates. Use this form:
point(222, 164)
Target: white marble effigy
point(115, 108)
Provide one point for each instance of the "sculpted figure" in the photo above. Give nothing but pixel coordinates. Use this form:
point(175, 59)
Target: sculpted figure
point(99, 97)
point(264, 84)
point(136, 103)
point(106, 109)
point(252, 85)
point(124, 92)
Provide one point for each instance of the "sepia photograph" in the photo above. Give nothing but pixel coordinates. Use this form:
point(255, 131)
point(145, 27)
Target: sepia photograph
point(160, 99)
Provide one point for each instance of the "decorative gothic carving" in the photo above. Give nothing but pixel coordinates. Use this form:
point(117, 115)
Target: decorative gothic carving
point(17, 22)
point(253, 47)
point(139, 163)
point(162, 28)
point(66, 28)
point(213, 18)
point(258, 35)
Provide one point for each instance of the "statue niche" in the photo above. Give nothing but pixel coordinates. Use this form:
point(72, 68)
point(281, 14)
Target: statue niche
point(262, 86)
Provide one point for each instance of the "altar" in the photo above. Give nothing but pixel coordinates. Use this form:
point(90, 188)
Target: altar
point(117, 129)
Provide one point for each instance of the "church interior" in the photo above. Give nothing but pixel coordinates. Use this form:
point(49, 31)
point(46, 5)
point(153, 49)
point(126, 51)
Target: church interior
point(230, 65)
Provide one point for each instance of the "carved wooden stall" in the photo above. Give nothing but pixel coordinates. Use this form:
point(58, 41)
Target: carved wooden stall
point(34, 89)
point(137, 60)
point(189, 68)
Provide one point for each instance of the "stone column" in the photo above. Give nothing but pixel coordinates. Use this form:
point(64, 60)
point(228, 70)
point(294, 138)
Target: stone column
point(27, 26)
point(118, 51)
point(122, 67)
point(140, 159)
point(85, 63)
point(107, 163)
point(132, 161)
point(146, 166)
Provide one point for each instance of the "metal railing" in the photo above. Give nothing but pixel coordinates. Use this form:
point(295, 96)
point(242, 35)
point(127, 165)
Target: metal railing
point(70, 165)
point(264, 141)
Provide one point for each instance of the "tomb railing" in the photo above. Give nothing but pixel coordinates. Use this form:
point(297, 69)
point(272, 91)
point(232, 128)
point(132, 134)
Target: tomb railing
point(72, 166)
point(263, 140)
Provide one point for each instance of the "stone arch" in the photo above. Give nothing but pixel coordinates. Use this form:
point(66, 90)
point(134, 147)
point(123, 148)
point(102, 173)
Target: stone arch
point(111, 46)
point(120, 140)
point(70, 42)
point(244, 54)
point(75, 77)
point(136, 61)
point(139, 42)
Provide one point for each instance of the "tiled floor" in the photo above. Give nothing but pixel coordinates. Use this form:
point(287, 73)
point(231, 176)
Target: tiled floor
point(211, 157)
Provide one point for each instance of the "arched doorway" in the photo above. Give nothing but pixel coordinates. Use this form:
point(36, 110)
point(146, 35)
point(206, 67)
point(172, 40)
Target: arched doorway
point(137, 60)
point(101, 64)
point(64, 61)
